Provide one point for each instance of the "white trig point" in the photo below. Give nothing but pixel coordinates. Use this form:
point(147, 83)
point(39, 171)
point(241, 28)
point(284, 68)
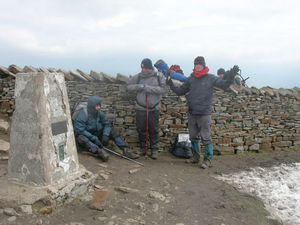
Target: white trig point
point(43, 149)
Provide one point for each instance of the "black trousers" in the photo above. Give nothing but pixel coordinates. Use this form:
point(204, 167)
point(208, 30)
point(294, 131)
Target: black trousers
point(148, 130)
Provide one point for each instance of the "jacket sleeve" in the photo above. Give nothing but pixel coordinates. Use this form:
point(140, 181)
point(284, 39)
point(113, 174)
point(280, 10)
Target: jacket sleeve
point(220, 83)
point(107, 127)
point(178, 76)
point(181, 90)
point(80, 126)
point(132, 84)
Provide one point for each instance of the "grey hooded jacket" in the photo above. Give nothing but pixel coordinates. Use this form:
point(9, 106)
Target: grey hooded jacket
point(150, 88)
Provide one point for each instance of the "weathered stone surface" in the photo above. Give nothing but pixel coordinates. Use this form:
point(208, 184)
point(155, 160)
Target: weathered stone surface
point(126, 189)
point(42, 126)
point(99, 200)
point(4, 125)
point(5, 72)
point(14, 69)
point(4, 146)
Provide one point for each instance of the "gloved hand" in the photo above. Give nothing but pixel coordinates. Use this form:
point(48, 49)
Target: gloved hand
point(169, 77)
point(141, 87)
point(232, 73)
point(236, 69)
point(147, 88)
point(105, 140)
point(98, 143)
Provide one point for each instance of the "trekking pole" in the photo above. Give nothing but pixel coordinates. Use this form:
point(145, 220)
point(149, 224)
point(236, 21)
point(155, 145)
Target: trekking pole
point(122, 156)
point(147, 135)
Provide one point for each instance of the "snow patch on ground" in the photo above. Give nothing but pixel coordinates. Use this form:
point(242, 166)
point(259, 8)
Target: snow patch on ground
point(278, 187)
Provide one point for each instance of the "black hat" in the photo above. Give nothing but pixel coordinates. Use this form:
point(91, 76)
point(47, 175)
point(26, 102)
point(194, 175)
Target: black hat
point(221, 71)
point(147, 64)
point(199, 60)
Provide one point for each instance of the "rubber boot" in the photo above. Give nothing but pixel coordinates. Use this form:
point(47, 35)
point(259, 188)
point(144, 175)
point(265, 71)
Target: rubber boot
point(208, 156)
point(195, 152)
point(129, 154)
point(103, 154)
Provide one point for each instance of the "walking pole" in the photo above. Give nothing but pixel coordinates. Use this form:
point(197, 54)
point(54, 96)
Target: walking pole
point(147, 135)
point(122, 156)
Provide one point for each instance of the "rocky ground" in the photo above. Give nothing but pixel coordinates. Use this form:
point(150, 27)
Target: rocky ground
point(164, 191)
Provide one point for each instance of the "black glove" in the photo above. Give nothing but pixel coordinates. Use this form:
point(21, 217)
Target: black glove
point(105, 140)
point(232, 73)
point(98, 143)
point(235, 69)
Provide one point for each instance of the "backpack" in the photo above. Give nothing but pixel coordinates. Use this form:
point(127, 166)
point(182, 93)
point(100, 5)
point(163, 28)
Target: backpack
point(182, 147)
point(78, 107)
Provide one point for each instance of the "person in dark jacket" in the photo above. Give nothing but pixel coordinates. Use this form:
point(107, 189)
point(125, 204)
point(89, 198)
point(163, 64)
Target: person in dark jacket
point(198, 89)
point(149, 86)
point(93, 130)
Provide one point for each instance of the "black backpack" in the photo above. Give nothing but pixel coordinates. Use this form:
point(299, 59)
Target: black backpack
point(182, 147)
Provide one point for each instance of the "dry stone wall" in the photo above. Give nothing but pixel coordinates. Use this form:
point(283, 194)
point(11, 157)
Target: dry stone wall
point(256, 119)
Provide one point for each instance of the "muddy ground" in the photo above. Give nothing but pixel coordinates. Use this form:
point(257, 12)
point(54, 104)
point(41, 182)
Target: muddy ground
point(164, 191)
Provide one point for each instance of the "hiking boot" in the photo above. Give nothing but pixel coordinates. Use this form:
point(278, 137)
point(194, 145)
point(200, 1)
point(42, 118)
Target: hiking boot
point(142, 152)
point(103, 154)
point(194, 159)
point(130, 154)
point(206, 164)
point(154, 155)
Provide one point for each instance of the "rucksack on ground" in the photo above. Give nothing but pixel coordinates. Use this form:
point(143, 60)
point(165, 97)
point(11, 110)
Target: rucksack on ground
point(182, 147)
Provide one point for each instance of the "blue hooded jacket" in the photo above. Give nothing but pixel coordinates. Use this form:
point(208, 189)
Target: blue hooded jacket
point(92, 123)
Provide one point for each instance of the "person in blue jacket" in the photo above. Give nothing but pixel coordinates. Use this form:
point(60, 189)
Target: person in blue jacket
point(163, 67)
point(93, 130)
point(198, 89)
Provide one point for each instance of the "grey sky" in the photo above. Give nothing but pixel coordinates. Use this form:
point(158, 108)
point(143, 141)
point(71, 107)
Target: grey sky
point(113, 36)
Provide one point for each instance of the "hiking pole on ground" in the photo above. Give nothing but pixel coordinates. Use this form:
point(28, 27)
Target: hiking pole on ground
point(122, 156)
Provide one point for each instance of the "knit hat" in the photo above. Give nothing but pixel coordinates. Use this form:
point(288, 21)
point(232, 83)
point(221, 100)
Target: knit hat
point(147, 64)
point(199, 60)
point(221, 71)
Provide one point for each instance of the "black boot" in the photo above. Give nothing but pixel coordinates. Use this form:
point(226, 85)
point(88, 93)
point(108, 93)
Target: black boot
point(129, 154)
point(103, 154)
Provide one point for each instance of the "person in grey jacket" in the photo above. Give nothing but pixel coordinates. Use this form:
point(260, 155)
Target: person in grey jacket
point(150, 86)
point(199, 93)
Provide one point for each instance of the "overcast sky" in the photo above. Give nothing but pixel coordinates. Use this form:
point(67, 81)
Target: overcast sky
point(113, 36)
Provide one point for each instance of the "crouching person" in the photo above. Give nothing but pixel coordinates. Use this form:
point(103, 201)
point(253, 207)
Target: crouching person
point(93, 130)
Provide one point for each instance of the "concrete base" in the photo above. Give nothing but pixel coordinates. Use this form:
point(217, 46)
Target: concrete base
point(14, 194)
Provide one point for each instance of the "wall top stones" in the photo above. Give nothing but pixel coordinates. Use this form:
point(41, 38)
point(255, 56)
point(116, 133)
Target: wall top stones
point(93, 76)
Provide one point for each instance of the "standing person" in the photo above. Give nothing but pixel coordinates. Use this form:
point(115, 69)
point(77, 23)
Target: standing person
point(225, 75)
point(150, 86)
point(93, 130)
point(199, 93)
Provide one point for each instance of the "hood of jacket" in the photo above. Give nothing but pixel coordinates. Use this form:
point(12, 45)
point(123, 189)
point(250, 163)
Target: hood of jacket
point(91, 105)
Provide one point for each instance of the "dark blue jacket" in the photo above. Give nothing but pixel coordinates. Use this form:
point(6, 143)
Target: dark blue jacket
point(92, 123)
point(199, 92)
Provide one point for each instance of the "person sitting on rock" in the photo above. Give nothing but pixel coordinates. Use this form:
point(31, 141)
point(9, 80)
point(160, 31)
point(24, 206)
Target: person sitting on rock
point(93, 130)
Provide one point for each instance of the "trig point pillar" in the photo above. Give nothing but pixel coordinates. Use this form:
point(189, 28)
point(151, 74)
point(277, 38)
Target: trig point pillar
point(43, 149)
